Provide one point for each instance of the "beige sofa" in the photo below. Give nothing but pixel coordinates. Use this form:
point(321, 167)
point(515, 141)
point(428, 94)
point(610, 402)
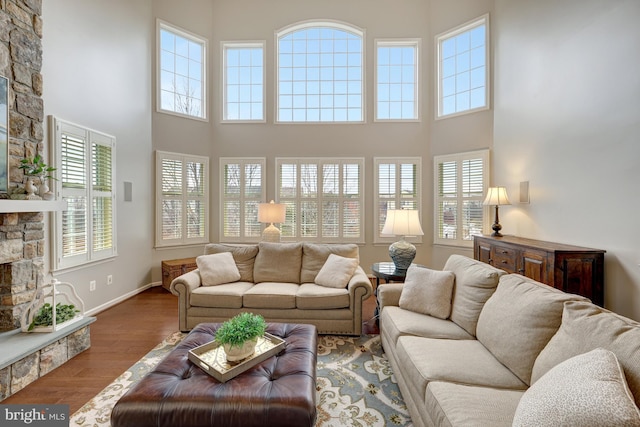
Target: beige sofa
point(277, 280)
point(507, 351)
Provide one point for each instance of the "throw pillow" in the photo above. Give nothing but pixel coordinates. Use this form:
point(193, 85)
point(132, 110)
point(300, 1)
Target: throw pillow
point(587, 390)
point(427, 291)
point(216, 269)
point(243, 255)
point(336, 271)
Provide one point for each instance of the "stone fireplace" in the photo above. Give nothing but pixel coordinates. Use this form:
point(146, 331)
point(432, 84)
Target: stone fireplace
point(25, 357)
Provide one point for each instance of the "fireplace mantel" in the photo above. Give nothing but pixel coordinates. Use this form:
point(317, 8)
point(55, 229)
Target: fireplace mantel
point(9, 206)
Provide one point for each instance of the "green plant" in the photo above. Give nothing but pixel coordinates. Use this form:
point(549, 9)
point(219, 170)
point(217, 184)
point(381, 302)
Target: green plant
point(241, 328)
point(44, 317)
point(35, 166)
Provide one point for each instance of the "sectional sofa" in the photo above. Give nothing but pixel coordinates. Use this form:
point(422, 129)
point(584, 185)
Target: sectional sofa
point(473, 346)
point(319, 284)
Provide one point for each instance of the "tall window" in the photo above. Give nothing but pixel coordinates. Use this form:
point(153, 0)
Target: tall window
point(397, 186)
point(320, 73)
point(182, 199)
point(85, 159)
point(463, 68)
point(181, 72)
point(243, 74)
point(242, 181)
point(397, 79)
point(324, 198)
point(461, 181)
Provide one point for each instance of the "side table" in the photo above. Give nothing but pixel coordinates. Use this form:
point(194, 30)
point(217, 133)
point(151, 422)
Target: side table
point(176, 267)
point(387, 272)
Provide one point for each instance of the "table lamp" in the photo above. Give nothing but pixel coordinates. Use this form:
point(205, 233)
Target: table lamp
point(402, 222)
point(270, 213)
point(496, 196)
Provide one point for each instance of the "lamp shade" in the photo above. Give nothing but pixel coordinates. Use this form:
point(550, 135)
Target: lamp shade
point(271, 212)
point(402, 222)
point(496, 196)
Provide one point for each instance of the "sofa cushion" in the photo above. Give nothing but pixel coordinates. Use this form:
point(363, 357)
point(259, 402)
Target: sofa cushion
point(314, 255)
point(243, 255)
point(449, 404)
point(475, 283)
point(222, 296)
point(313, 297)
point(585, 327)
point(216, 269)
point(586, 390)
point(458, 361)
point(278, 262)
point(271, 295)
point(519, 320)
point(427, 291)
point(396, 322)
point(336, 271)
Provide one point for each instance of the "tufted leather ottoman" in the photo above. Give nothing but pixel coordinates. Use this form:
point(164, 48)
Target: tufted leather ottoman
point(280, 391)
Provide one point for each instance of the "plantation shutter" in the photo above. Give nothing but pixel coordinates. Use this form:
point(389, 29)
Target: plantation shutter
point(85, 159)
point(398, 186)
point(460, 184)
point(242, 191)
point(182, 192)
point(324, 198)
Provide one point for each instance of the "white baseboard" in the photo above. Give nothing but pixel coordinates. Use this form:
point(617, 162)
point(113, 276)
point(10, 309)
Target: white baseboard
point(118, 300)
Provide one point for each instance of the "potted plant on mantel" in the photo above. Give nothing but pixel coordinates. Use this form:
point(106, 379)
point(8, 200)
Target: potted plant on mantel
point(36, 167)
point(239, 335)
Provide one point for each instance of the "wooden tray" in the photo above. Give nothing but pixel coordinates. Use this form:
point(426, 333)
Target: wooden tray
point(213, 360)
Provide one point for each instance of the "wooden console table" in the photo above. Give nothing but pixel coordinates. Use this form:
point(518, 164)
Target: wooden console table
point(573, 269)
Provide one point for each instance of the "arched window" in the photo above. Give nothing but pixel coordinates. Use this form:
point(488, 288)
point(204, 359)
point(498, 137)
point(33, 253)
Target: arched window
point(320, 73)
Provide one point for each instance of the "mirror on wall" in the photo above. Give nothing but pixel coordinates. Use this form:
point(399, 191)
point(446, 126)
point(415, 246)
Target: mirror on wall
point(4, 134)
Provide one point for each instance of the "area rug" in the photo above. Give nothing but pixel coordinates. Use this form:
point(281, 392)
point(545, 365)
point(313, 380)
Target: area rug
point(355, 385)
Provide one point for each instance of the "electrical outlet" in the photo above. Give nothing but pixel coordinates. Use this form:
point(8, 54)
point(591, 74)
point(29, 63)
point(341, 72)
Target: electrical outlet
point(110, 279)
point(92, 285)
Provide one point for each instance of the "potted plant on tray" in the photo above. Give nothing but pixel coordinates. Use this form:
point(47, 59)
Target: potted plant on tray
point(239, 335)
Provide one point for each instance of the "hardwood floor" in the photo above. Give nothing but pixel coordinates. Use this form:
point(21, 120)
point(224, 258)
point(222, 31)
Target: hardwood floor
point(120, 336)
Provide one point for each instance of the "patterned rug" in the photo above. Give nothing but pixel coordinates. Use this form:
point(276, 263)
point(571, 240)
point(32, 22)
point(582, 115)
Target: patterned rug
point(355, 385)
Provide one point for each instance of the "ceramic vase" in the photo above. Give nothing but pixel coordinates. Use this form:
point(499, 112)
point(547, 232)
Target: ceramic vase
point(236, 353)
point(31, 188)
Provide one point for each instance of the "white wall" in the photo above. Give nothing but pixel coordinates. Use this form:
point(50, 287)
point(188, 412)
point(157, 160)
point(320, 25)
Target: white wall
point(233, 20)
point(97, 73)
point(567, 119)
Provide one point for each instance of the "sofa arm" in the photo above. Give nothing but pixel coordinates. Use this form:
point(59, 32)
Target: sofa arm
point(183, 285)
point(389, 294)
point(360, 284)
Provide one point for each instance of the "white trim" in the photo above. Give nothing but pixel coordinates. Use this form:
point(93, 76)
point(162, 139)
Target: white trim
point(116, 301)
point(485, 155)
point(184, 240)
point(482, 20)
point(223, 161)
point(377, 238)
point(416, 43)
point(160, 24)
point(224, 45)
point(319, 23)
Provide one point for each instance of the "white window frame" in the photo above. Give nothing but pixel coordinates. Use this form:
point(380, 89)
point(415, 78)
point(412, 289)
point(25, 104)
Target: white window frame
point(307, 25)
point(243, 198)
point(58, 128)
point(399, 43)
point(203, 42)
point(459, 158)
point(183, 197)
point(399, 201)
point(440, 39)
point(224, 47)
point(294, 202)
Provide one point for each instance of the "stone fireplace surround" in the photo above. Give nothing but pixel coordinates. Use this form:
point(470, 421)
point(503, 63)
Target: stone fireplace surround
point(25, 357)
